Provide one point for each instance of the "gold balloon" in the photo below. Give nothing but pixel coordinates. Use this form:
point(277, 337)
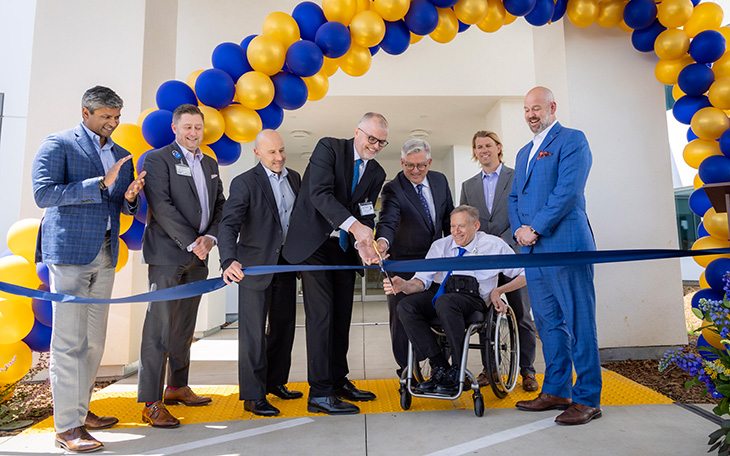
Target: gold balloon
point(699, 149)
point(697, 183)
point(215, 126)
point(23, 361)
point(206, 150)
point(671, 44)
point(582, 13)
point(712, 337)
point(123, 256)
point(21, 239)
point(703, 281)
point(471, 11)
point(508, 18)
point(705, 16)
point(709, 123)
point(725, 31)
point(341, 11)
point(190, 81)
point(266, 54)
point(367, 29)
point(282, 27)
point(447, 27)
point(667, 71)
point(242, 124)
point(317, 86)
point(625, 27)
point(357, 60)
point(125, 221)
point(721, 67)
point(706, 243)
point(415, 38)
point(674, 13)
point(143, 115)
point(130, 137)
point(255, 90)
point(16, 320)
point(719, 93)
point(330, 66)
point(391, 10)
point(363, 5)
point(610, 13)
point(716, 224)
point(677, 92)
point(495, 18)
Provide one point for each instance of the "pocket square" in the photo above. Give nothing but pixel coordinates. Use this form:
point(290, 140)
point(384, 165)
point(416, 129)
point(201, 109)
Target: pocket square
point(213, 176)
point(543, 154)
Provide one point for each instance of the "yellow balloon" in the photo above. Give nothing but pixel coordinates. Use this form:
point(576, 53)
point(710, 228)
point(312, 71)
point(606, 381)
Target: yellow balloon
point(6, 392)
point(705, 16)
point(242, 124)
point(266, 54)
point(697, 183)
point(190, 81)
point(21, 357)
point(391, 10)
point(206, 150)
point(143, 115)
point(508, 18)
point(357, 60)
point(123, 256)
point(16, 320)
point(625, 27)
point(667, 71)
point(362, 5)
point(341, 11)
point(317, 86)
point(699, 149)
point(677, 92)
point(125, 221)
point(22, 236)
point(367, 29)
point(706, 243)
point(610, 13)
point(415, 38)
point(703, 281)
point(255, 90)
point(711, 337)
point(214, 124)
point(330, 66)
point(495, 17)
point(710, 123)
point(471, 11)
point(17, 270)
point(716, 224)
point(282, 27)
point(130, 137)
point(721, 67)
point(582, 13)
point(674, 13)
point(719, 93)
point(447, 27)
point(671, 44)
point(725, 31)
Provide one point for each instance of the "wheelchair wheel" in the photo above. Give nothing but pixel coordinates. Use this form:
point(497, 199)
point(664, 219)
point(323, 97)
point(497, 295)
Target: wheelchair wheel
point(503, 351)
point(405, 398)
point(478, 404)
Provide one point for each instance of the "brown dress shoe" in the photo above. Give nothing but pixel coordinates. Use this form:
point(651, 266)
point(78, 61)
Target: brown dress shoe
point(529, 382)
point(78, 440)
point(578, 414)
point(185, 396)
point(543, 402)
point(95, 422)
point(158, 416)
point(483, 379)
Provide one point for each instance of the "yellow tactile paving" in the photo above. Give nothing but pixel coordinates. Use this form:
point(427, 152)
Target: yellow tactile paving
point(617, 390)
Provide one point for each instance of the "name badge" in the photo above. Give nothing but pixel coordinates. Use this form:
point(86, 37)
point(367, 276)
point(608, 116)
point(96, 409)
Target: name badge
point(366, 208)
point(183, 170)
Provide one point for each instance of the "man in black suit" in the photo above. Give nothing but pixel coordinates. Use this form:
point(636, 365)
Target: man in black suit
point(488, 191)
point(333, 219)
point(184, 208)
point(415, 212)
point(253, 230)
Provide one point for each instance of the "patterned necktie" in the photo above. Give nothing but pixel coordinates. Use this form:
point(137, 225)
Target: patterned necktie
point(425, 205)
point(344, 237)
point(441, 289)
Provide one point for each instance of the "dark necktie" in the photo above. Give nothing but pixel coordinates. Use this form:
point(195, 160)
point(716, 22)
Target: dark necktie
point(441, 289)
point(425, 205)
point(344, 237)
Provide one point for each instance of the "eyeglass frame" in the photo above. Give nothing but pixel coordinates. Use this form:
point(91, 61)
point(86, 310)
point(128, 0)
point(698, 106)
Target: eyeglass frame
point(373, 140)
point(412, 166)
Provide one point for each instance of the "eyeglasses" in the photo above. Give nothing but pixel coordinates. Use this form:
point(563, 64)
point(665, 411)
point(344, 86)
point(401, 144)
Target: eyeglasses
point(372, 139)
point(411, 166)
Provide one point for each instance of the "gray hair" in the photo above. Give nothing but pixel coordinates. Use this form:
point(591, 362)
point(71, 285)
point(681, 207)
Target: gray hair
point(472, 212)
point(415, 145)
point(101, 97)
point(373, 115)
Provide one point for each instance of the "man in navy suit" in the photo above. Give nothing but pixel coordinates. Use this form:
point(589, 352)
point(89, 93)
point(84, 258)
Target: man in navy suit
point(83, 180)
point(415, 209)
point(547, 211)
point(252, 232)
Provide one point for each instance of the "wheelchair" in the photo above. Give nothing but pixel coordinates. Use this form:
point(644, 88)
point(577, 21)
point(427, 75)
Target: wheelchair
point(500, 349)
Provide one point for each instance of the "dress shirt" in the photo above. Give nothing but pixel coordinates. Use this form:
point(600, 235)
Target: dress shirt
point(107, 159)
point(537, 142)
point(426, 191)
point(196, 170)
point(284, 196)
point(482, 244)
point(489, 182)
point(351, 219)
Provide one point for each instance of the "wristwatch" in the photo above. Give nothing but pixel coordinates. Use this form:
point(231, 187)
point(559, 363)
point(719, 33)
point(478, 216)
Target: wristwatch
point(534, 232)
point(102, 185)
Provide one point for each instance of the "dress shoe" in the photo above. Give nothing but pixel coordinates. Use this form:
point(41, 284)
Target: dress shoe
point(260, 407)
point(331, 405)
point(578, 414)
point(429, 386)
point(282, 392)
point(544, 402)
point(186, 396)
point(449, 383)
point(529, 382)
point(350, 393)
point(95, 422)
point(483, 378)
point(158, 416)
point(78, 440)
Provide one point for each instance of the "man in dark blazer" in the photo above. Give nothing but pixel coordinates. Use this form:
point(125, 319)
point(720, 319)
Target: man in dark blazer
point(415, 211)
point(184, 208)
point(252, 232)
point(488, 192)
point(333, 220)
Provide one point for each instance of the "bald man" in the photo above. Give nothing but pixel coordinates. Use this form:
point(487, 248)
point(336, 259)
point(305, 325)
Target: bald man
point(253, 231)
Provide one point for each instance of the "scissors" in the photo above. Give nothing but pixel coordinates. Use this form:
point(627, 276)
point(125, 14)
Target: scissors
point(380, 264)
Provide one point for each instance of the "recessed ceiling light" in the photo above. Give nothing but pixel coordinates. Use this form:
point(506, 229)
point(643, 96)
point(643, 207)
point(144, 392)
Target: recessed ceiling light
point(299, 134)
point(418, 133)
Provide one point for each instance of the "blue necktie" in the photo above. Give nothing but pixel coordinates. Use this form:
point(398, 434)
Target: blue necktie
point(441, 289)
point(344, 237)
point(425, 205)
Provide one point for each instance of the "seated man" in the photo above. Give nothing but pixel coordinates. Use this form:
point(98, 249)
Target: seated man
point(459, 294)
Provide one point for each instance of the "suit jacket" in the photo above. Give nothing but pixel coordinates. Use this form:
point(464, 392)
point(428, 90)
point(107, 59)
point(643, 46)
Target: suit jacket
point(250, 231)
point(549, 196)
point(66, 173)
point(402, 220)
point(325, 200)
point(173, 206)
point(497, 221)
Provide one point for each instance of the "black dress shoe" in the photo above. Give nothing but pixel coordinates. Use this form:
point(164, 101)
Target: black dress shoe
point(350, 393)
point(260, 407)
point(429, 386)
point(331, 406)
point(449, 383)
point(281, 391)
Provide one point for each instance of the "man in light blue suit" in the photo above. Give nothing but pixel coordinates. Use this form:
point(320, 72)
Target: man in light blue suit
point(547, 211)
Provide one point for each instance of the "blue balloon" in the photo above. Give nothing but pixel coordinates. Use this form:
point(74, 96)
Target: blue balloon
point(687, 106)
point(422, 17)
point(290, 91)
point(246, 41)
point(374, 49)
point(639, 14)
point(226, 150)
point(157, 128)
point(334, 39)
point(725, 143)
point(695, 79)
point(140, 162)
point(215, 88)
point(43, 310)
point(643, 39)
point(706, 293)
point(696, 2)
point(271, 116)
point(701, 231)
point(691, 136)
point(542, 13)
point(133, 236)
point(707, 46)
point(39, 338)
point(519, 7)
point(560, 7)
point(304, 58)
point(309, 17)
point(172, 94)
point(715, 272)
point(42, 271)
point(463, 27)
point(231, 58)
point(444, 3)
point(397, 38)
point(141, 214)
point(715, 169)
point(706, 354)
point(699, 203)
